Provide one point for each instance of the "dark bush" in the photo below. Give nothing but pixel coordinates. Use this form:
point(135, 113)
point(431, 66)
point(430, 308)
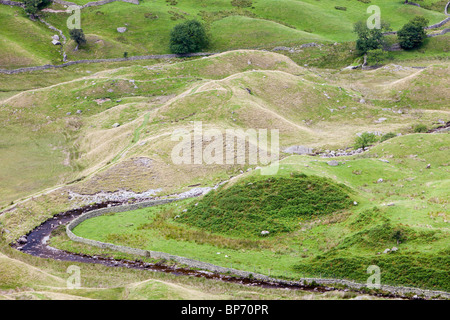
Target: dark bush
point(420, 128)
point(387, 136)
point(77, 35)
point(412, 34)
point(188, 37)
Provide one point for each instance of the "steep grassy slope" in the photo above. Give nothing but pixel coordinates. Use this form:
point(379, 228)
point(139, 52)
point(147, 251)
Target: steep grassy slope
point(268, 23)
point(24, 42)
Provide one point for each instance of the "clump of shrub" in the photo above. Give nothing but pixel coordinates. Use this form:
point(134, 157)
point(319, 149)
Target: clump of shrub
point(241, 3)
point(297, 174)
point(340, 8)
point(412, 34)
point(188, 37)
point(376, 56)
point(365, 140)
point(150, 15)
point(387, 136)
point(176, 16)
point(420, 128)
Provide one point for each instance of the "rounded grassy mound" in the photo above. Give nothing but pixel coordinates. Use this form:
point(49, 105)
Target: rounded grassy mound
point(275, 204)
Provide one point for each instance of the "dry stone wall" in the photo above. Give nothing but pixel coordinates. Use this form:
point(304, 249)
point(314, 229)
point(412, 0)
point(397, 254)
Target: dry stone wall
point(12, 3)
point(136, 58)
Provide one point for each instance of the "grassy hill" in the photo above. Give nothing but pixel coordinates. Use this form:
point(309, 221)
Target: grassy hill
point(266, 24)
point(274, 205)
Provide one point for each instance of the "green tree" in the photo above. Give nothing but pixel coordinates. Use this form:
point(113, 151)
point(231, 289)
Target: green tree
point(369, 39)
point(33, 6)
point(364, 140)
point(77, 35)
point(188, 37)
point(412, 34)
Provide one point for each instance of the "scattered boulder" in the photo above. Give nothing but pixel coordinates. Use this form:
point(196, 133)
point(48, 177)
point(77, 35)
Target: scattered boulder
point(380, 120)
point(56, 42)
point(308, 45)
point(394, 249)
point(380, 180)
point(281, 49)
point(115, 125)
point(429, 166)
point(121, 29)
point(265, 232)
point(298, 150)
point(387, 251)
point(102, 100)
point(22, 240)
point(333, 163)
